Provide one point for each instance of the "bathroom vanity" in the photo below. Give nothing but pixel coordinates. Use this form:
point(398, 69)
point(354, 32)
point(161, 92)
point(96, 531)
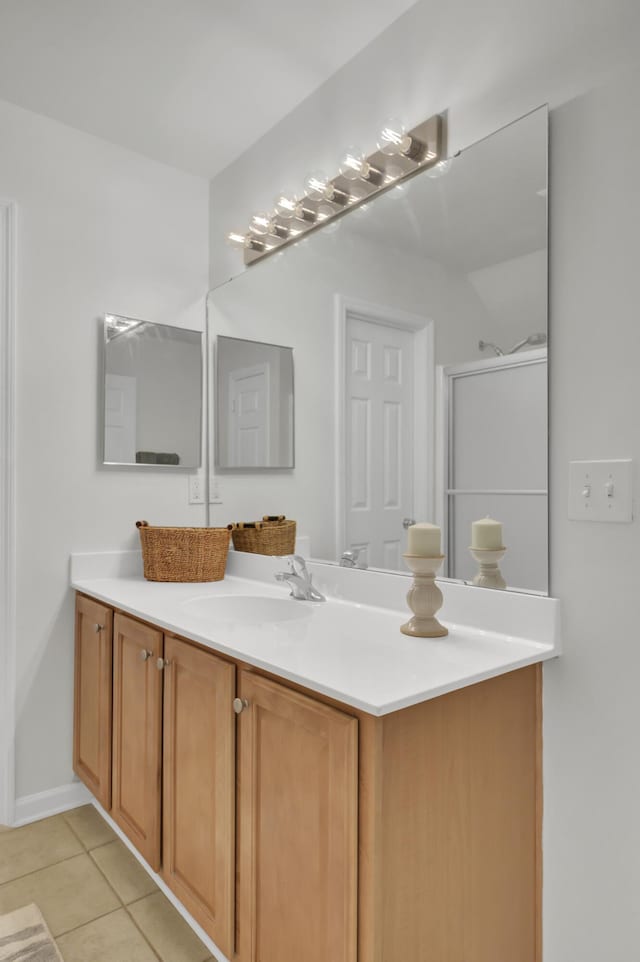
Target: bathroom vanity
point(310, 783)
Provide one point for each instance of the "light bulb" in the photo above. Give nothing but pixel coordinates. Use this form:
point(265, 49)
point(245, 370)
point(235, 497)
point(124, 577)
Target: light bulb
point(318, 186)
point(354, 165)
point(304, 212)
point(440, 169)
point(324, 211)
point(392, 138)
point(286, 202)
point(261, 223)
point(236, 239)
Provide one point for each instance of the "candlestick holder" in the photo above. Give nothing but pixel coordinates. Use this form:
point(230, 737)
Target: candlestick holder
point(489, 575)
point(424, 598)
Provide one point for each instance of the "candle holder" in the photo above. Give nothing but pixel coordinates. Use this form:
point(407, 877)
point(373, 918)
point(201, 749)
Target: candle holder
point(489, 575)
point(424, 598)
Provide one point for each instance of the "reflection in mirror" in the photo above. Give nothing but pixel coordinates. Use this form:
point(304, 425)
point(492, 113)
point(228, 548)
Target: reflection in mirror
point(419, 324)
point(254, 404)
point(152, 393)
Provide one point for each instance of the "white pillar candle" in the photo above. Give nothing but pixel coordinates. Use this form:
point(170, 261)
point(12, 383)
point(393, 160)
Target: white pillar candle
point(424, 540)
point(486, 535)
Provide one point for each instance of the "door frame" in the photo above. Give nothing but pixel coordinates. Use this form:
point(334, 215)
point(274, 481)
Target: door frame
point(7, 509)
point(423, 401)
point(445, 376)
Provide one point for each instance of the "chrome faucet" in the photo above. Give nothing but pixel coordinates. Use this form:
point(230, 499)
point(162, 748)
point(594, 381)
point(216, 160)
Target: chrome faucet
point(299, 580)
point(349, 559)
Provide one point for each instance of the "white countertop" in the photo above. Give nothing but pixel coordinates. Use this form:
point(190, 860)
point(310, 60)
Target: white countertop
point(344, 648)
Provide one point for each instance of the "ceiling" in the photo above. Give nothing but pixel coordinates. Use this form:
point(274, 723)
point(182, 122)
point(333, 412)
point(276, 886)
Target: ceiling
point(191, 83)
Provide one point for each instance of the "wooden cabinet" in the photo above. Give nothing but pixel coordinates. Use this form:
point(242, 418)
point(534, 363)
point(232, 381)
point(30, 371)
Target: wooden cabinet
point(297, 812)
point(198, 848)
point(299, 830)
point(92, 699)
point(137, 734)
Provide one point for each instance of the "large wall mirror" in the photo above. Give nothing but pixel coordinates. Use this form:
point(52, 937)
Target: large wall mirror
point(419, 326)
point(152, 394)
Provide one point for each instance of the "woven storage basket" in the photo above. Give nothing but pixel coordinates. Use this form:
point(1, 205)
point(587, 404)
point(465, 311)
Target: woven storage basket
point(272, 536)
point(183, 554)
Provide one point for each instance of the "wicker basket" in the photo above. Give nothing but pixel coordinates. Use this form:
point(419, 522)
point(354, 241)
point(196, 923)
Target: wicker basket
point(183, 554)
point(274, 535)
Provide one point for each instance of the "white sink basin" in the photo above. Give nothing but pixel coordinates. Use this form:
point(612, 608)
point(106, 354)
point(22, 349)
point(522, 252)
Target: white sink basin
point(248, 609)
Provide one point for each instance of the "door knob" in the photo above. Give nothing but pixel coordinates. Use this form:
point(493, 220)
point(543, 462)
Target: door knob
point(407, 522)
point(162, 663)
point(144, 654)
point(239, 705)
point(98, 628)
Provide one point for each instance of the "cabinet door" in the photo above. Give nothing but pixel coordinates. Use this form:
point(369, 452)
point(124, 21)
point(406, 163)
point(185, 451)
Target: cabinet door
point(137, 734)
point(199, 786)
point(92, 699)
point(297, 826)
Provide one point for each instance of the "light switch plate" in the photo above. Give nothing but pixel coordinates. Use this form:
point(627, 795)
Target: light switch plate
point(601, 491)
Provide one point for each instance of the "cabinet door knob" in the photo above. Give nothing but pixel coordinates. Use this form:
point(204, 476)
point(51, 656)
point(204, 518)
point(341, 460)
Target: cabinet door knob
point(239, 705)
point(145, 655)
point(98, 628)
point(163, 663)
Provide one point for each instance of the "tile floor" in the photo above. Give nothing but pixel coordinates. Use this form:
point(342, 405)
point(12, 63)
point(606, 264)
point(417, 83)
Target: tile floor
point(99, 903)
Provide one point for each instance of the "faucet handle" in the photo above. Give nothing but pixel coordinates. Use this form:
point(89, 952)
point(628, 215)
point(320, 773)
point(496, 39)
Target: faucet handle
point(349, 558)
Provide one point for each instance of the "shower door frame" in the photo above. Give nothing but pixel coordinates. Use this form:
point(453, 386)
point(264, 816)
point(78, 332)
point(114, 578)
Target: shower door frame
point(7, 509)
point(446, 374)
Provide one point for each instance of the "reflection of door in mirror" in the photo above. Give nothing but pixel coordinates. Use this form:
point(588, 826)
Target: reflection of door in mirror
point(249, 402)
point(119, 419)
point(379, 467)
point(387, 362)
point(495, 462)
point(254, 404)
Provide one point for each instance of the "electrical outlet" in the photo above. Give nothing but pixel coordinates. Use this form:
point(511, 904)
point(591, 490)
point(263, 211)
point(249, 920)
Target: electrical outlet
point(214, 490)
point(196, 489)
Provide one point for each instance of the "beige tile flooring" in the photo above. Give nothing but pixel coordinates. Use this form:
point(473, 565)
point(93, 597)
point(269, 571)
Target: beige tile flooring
point(98, 901)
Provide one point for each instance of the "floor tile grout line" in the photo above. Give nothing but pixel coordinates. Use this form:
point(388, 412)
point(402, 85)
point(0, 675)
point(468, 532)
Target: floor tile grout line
point(103, 915)
point(119, 898)
point(78, 836)
point(85, 850)
point(43, 868)
point(123, 904)
point(154, 950)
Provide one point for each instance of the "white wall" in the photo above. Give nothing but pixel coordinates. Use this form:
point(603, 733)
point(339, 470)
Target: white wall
point(510, 56)
point(99, 229)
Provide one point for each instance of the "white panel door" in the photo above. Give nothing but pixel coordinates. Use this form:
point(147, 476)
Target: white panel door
point(249, 417)
point(120, 419)
point(379, 419)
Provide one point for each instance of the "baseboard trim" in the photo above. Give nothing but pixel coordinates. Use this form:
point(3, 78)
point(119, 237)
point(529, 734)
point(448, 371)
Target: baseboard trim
point(162, 885)
point(31, 808)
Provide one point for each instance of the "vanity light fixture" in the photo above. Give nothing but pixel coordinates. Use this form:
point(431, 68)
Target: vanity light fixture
point(440, 169)
point(286, 203)
point(393, 139)
point(355, 166)
point(318, 187)
point(401, 154)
